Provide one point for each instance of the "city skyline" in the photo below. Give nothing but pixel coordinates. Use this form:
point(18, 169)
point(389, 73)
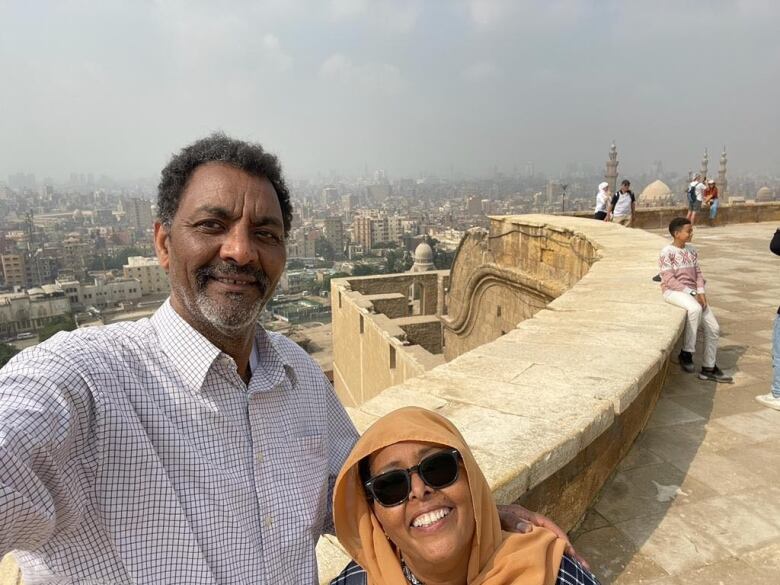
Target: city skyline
point(407, 86)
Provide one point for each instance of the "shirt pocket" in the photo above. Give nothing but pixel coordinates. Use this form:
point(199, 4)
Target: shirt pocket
point(304, 479)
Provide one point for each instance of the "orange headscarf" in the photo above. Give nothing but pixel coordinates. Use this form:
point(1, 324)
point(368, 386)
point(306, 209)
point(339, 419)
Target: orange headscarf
point(496, 558)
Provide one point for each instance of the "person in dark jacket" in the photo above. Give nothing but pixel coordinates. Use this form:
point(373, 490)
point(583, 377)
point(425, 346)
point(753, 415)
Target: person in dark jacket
point(772, 400)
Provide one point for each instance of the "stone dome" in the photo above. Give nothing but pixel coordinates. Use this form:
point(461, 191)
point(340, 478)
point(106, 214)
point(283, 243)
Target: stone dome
point(423, 259)
point(423, 254)
point(765, 194)
point(656, 191)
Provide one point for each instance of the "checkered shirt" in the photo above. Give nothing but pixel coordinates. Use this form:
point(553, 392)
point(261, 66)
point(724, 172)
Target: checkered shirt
point(134, 453)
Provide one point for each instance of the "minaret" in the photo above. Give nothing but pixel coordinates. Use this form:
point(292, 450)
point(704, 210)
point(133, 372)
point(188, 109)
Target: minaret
point(704, 163)
point(721, 183)
point(612, 164)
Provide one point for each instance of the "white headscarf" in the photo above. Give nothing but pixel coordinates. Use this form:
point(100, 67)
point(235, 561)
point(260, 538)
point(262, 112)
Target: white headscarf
point(602, 197)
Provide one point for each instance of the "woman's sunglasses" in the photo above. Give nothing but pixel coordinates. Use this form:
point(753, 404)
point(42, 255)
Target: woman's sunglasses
point(392, 488)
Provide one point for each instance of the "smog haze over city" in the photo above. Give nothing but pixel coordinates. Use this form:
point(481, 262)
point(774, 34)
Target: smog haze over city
point(455, 88)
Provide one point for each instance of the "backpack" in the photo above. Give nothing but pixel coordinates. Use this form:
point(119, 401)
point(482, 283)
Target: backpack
point(692, 192)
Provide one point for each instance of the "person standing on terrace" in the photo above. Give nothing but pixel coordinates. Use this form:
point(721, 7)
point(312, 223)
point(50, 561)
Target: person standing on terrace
point(772, 399)
point(622, 208)
point(192, 447)
point(602, 202)
point(682, 284)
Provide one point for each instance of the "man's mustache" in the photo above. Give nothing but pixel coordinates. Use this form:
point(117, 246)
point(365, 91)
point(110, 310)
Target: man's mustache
point(227, 269)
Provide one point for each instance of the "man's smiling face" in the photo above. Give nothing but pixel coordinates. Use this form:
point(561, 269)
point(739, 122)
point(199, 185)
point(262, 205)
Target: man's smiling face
point(224, 250)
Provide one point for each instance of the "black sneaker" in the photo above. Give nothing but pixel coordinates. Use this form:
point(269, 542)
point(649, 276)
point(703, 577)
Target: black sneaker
point(714, 374)
point(686, 361)
point(656, 278)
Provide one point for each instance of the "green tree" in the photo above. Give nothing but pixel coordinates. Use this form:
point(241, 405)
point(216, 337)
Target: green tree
point(442, 259)
point(113, 262)
point(384, 245)
point(63, 323)
point(365, 270)
point(398, 261)
point(324, 248)
point(7, 351)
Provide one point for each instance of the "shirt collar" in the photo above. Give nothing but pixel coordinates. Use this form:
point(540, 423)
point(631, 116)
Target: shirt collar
point(190, 352)
point(270, 363)
point(193, 354)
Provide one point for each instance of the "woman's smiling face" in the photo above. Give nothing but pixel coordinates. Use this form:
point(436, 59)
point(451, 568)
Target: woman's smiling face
point(433, 528)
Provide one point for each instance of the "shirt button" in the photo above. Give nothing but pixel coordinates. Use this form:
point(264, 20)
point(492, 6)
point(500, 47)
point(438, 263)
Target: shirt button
point(268, 521)
point(259, 456)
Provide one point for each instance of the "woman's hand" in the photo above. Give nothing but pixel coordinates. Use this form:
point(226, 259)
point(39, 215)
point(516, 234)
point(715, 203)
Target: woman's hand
point(515, 518)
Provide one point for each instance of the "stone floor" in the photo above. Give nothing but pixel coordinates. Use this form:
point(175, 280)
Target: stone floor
point(697, 500)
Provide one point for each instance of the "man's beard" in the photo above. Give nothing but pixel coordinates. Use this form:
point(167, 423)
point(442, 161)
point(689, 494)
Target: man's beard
point(233, 313)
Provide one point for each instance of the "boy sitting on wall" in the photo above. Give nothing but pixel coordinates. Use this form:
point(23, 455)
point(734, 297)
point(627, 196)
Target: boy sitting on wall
point(682, 284)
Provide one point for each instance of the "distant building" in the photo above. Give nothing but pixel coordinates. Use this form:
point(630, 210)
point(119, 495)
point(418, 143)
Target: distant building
point(104, 216)
point(330, 196)
point(656, 194)
point(611, 174)
point(302, 243)
point(765, 194)
point(423, 258)
point(138, 213)
point(474, 206)
point(554, 193)
point(104, 292)
point(334, 234)
point(13, 266)
point(31, 310)
point(148, 272)
point(369, 230)
point(74, 254)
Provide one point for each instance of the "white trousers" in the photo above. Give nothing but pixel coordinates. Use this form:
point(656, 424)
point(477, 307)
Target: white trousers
point(697, 317)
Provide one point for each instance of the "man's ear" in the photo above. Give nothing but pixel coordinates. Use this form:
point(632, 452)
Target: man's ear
point(161, 239)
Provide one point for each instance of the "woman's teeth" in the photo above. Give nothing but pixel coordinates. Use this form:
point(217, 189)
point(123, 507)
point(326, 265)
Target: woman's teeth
point(429, 518)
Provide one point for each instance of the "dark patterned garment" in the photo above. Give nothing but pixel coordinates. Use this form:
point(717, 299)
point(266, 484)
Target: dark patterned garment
point(569, 573)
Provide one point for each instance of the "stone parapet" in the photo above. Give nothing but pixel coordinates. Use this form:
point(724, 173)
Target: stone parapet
point(551, 406)
point(376, 342)
point(659, 217)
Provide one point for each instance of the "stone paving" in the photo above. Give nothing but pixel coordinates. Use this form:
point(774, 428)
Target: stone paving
point(697, 499)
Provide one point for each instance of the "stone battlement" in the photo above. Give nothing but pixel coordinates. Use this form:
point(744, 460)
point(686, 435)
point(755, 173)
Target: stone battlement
point(386, 329)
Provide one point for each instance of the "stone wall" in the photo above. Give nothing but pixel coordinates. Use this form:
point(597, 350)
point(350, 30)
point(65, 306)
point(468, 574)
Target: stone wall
point(550, 407)
point(376, 343)
point(502, 277)
point(659, 217)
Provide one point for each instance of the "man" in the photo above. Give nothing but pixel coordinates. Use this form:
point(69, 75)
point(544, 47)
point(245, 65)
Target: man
point(772, 399)
point(192, 447)
point(695, 197)
point(682, 283)
point(623, 205)
point(711, 199)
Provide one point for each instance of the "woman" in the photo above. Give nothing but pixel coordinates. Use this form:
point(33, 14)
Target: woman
point(602, 201)
point(411, 506)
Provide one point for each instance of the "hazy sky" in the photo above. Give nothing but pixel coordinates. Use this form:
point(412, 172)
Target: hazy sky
point(115, 87)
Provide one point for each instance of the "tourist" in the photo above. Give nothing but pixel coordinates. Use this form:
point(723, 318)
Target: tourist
point(772, 400)
point(695, 197)
point(623, 205)
point(411, 506)
point(682, 283)
point(711, 199)
point(192, 447)
point(602, 202)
